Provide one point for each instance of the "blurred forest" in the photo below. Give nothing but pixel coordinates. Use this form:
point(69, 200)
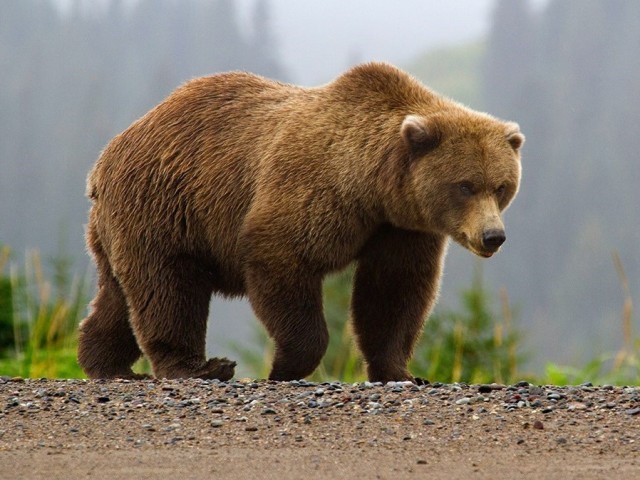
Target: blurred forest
point(571, 77)
point(72, 81)
point(568, 72)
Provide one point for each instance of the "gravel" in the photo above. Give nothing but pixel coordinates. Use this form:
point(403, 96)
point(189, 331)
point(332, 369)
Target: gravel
point(419, 423)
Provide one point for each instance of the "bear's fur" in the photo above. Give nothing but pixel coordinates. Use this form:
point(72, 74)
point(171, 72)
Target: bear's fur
point(238, 185)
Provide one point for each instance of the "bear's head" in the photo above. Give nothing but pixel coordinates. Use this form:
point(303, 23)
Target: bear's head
point(462, 172)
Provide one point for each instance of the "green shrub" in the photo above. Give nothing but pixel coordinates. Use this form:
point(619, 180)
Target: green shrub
point(472, 345)
point(7, 334)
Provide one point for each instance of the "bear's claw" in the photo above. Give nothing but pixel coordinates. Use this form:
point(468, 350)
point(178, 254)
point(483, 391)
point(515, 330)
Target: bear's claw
point(217, 368)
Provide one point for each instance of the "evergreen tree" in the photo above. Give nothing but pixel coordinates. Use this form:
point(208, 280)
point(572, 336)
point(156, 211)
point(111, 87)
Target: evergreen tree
point(572, 94)
point(508, 64)
point(71, 81)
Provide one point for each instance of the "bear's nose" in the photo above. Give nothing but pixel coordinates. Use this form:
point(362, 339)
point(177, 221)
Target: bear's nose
point(492, 239)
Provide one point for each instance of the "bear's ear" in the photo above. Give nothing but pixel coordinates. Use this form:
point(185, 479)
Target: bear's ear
point(514, 136)
point(421, 134)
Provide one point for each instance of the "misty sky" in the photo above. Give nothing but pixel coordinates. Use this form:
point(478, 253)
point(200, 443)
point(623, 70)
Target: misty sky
point(318, 40)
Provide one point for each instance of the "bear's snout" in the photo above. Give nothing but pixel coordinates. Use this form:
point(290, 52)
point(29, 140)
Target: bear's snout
point(492, 239)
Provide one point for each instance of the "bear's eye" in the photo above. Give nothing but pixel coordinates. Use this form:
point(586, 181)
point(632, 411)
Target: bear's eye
point(466, 188)
point(500, 191)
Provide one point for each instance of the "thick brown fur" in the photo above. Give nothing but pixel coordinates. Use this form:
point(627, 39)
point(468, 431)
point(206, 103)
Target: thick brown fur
point(238, 185)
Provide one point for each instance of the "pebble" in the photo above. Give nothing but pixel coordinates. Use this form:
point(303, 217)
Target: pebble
point(282, 409)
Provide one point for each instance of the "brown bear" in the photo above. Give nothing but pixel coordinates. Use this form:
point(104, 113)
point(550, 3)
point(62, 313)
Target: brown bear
point(239, 185)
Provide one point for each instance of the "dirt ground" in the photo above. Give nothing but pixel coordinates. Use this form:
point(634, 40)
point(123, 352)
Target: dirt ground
point(243, 430)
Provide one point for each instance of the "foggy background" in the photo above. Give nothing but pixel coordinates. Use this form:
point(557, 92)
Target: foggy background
point(74, 73)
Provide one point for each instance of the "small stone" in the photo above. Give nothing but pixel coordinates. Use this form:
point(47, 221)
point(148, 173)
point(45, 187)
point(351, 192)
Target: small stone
point(463, 401)
point(217, 423)
point(428, 422)
point(251, 429)
point(633, 411)
point(103, 399)
point(538, 425)
point(268, 411)
point(421, 462)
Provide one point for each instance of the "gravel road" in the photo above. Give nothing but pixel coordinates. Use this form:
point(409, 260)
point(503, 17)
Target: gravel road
point(69, 429)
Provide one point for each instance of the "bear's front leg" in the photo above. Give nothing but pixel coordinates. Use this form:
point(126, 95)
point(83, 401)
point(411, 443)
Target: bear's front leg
point(396, 284)
point(289, 303)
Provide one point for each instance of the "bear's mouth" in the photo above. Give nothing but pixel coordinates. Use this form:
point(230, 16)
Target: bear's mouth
point(480, 253)
point(466, 243)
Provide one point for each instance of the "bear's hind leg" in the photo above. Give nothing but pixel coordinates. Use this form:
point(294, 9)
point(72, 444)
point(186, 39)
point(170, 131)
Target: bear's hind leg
point(107, 347)
point(396, 284)
point(169, 310)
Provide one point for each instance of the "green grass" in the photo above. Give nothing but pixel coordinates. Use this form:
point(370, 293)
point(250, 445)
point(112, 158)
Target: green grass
point(43, 315)
point(619, 368)
point(40, 310)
